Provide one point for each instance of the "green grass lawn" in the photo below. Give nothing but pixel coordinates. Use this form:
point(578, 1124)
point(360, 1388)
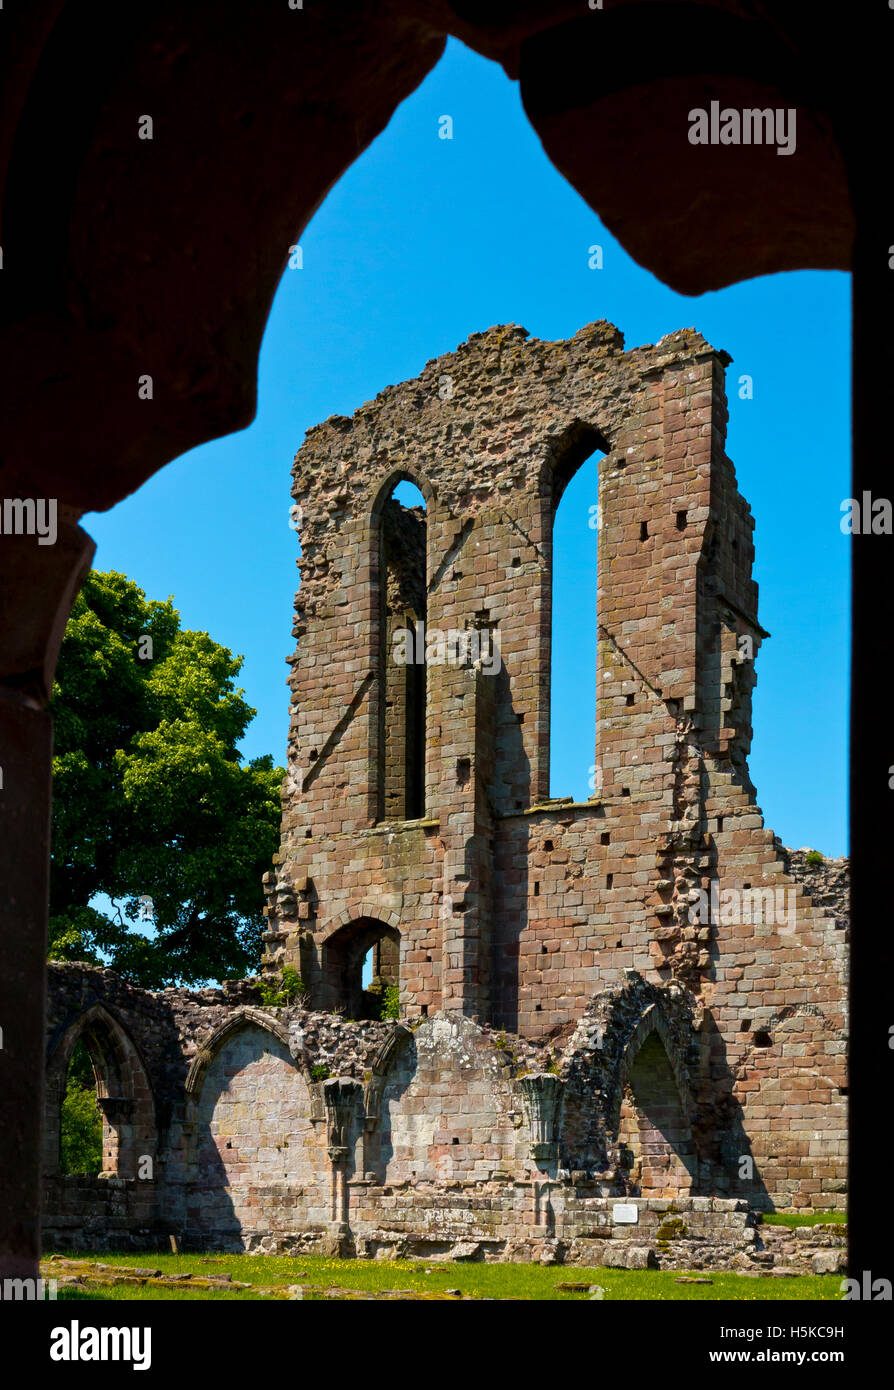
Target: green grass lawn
point(806, 1218)
point(316, 1274)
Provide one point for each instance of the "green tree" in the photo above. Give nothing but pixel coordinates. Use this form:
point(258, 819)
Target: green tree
point(153, 804)
point(80, 1142)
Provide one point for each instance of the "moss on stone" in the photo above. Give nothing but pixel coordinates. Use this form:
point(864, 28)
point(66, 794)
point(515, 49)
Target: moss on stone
point(672, 1228)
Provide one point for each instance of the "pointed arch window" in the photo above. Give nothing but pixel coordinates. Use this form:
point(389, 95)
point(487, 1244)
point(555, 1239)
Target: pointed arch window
point(403, 549)
point(574, 528)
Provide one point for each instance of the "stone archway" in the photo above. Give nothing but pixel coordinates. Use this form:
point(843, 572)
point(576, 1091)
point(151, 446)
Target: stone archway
point(123, 1093)
point(342, 956)
point(250, 1132)
point(654, 1135)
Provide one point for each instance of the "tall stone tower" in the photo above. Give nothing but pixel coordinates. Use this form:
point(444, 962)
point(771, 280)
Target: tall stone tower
point(417, 822)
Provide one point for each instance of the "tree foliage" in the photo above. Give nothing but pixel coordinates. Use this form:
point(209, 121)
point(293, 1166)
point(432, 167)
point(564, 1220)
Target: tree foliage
point(80, 1146)
point(153, 805)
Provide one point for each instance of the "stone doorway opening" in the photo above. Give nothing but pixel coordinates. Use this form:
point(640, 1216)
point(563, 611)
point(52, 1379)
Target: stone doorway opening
point(654, 1138)
point(358, 992)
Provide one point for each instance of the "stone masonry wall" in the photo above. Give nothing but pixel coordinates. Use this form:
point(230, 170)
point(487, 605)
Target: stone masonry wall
point(446, 1139)
point(512, 908)
point(453, 1134)
point(635, 1000)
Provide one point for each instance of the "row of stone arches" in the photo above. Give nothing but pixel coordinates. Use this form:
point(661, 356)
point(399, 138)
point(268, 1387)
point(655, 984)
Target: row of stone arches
point(124, 1093)
point(647, 1112)
point(255, 1118)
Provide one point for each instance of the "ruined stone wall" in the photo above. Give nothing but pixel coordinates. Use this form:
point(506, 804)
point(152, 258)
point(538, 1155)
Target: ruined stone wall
point(284, 1129)
point(253, 1133)
point(639, 996)
point(233, 1151)
point(492, 456)
point(512, 908)
point(775, 1022)
point(826, 881)
point(450, 1112)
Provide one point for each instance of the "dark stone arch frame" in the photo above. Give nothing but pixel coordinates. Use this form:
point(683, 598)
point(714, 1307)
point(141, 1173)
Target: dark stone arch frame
point(343, 948)
point(124, 1090)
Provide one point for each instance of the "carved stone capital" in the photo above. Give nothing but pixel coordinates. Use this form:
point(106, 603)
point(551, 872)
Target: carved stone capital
point(340, 1096)
point(540, 1092)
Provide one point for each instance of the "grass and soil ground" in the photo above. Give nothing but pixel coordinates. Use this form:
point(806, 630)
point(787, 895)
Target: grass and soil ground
point(251, 1277)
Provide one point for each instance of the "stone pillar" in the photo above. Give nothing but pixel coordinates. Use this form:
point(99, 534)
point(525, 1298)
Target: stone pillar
point(467, 699)
point(38, 584)
point(340, 1096)
point(647, 650)
point(540, 1093)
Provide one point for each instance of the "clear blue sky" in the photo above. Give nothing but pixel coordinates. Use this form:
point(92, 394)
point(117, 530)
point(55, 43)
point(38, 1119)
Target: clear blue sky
point(425, 241)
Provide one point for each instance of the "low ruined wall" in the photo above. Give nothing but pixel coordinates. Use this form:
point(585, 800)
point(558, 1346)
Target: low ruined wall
point(86, 1212)
point(544, 1221)
point(281, 1128)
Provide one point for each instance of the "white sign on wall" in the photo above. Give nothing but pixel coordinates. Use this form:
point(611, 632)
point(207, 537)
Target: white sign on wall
point(625, 1214)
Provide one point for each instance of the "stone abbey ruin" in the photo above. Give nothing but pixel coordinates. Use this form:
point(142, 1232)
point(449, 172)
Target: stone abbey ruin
point(622, 1021)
